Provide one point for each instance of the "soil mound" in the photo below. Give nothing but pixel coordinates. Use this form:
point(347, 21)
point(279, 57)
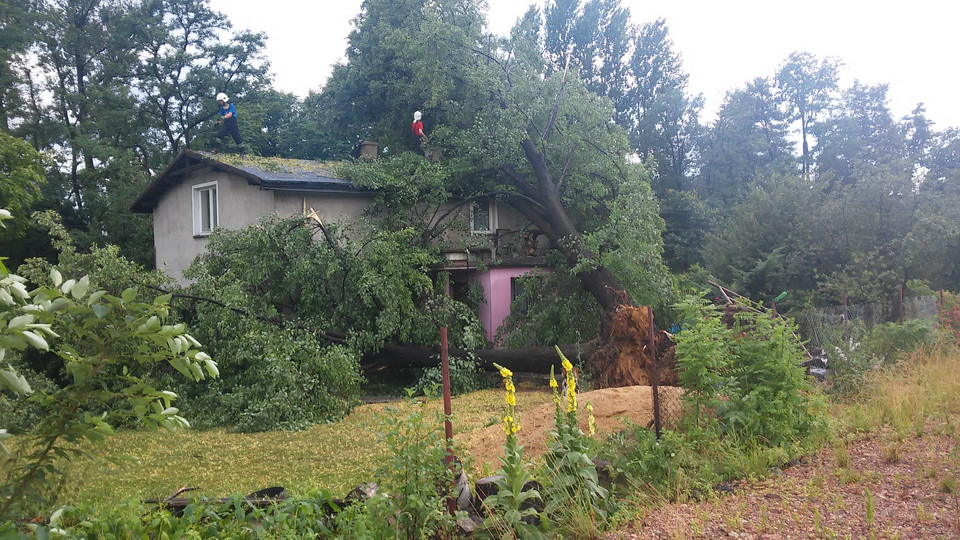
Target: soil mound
point(613, 408)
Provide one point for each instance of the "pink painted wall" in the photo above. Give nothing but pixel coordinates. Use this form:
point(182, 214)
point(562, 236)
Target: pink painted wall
point(496, 292)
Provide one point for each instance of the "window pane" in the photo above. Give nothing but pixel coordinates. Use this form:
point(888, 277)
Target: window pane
point(205, 210)
point(481, 216)
point(214, 218)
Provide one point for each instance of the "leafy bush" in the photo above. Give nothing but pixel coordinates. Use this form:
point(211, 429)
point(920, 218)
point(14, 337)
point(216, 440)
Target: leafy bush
point(291, 323)
point(869, 349)
point(464, 376)
point(747, 376)
point(275, 379)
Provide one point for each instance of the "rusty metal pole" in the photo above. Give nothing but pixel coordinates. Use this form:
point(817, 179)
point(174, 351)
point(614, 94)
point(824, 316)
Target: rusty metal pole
point(654, 377)
point(447, 404)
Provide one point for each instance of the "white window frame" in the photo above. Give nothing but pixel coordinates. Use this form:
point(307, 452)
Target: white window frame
point(491, 216)
point(212, 209)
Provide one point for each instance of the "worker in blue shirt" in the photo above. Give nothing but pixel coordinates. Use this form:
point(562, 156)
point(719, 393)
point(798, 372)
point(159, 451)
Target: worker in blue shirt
point(228, 121)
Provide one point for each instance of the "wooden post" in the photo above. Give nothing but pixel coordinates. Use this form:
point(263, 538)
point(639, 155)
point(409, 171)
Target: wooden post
point(447, 403)
point(654, 376)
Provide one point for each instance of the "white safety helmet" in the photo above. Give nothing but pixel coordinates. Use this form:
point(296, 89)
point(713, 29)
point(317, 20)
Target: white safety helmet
point(417, 116)
point(222, 97)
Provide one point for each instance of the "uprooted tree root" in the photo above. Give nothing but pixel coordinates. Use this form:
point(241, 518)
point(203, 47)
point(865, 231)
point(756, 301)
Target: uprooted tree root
point(623, 357)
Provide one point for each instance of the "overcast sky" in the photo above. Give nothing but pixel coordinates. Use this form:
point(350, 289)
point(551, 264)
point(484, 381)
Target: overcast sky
point(912, 46)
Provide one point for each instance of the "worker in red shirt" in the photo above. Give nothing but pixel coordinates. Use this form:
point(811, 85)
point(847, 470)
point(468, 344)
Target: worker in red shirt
point(419, 137)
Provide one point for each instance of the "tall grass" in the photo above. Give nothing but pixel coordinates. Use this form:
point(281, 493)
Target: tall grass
point(921, 384)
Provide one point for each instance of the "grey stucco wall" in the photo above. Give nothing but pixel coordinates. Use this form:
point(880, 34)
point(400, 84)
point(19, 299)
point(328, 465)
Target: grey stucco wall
point(240, 204)
point(330, 207)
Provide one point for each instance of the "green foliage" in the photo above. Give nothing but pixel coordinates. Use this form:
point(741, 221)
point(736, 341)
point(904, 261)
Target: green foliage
point(414, 473)
point(302, 517)
point(108, 345)
point(106, 267)
point(867, 350)
point(274, 379)
point(21, 179)
point(688, 464)
point(464, 376)
point(302, 312)
point(746, 374)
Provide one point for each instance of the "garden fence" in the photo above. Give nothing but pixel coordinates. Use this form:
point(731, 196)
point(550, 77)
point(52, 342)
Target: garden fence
point(826, 327)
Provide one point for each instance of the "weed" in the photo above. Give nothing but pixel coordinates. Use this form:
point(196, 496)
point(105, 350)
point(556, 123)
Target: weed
point(848, 476)
point(734, 522)
point(891, 453)
point(841, 454)
point(869, 504)
point(948, 485)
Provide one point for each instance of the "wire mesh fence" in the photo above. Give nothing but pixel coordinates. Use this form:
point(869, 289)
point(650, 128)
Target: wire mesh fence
point(825, 328)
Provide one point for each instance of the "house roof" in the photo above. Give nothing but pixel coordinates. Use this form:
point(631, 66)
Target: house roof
point(268, 173)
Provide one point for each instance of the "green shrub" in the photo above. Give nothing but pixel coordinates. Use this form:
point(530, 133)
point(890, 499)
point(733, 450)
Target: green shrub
point(464, 376)
point(747, 375)
point(275, 379)
point(870, 349)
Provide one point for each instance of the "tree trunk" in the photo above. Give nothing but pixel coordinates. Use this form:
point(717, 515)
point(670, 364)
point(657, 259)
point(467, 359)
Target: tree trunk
point(531, 360)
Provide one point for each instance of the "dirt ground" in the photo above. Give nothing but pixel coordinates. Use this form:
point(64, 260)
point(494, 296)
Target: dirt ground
point(612, 409)
point(889, 488)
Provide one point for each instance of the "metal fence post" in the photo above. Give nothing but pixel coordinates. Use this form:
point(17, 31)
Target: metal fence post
point(654, 376)
point(447, 404)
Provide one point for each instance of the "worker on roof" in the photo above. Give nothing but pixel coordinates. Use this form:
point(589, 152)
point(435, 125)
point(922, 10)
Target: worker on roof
point(228, 122)
point(419, 137)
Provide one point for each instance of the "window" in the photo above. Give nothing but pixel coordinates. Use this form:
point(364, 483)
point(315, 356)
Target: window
point(518, 306)
point(206, 212)
point(483, 216)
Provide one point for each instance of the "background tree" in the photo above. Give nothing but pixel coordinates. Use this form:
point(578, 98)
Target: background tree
point(746, 143)
point(807, 87)
point(187, 55)
point(21, 180)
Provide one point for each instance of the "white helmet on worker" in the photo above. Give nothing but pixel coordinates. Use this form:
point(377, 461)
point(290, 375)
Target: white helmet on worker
point(417, 116)
point(222, 97)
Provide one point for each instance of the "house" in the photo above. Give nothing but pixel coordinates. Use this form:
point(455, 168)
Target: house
point(201, 191)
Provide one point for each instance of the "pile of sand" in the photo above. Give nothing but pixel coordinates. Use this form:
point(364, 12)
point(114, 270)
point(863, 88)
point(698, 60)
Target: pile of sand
point(613, 408)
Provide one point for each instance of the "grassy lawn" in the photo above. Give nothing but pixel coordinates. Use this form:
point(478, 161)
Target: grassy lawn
point(335, 457)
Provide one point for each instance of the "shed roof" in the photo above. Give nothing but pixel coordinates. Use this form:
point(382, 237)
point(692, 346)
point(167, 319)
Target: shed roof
point(268, 173)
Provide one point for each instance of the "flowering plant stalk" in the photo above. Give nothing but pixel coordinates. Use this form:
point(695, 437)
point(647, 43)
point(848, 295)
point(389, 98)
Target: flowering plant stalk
point(573, 475)
point(511, 508)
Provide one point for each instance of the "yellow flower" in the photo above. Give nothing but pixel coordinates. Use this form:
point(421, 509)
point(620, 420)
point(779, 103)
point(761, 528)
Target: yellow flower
point(591, 421)
point(516, 428)
point(571, 392)
point(510, 387)
point(511, 399)
point(505, 373)
point(553, 382)
point(567, 366)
